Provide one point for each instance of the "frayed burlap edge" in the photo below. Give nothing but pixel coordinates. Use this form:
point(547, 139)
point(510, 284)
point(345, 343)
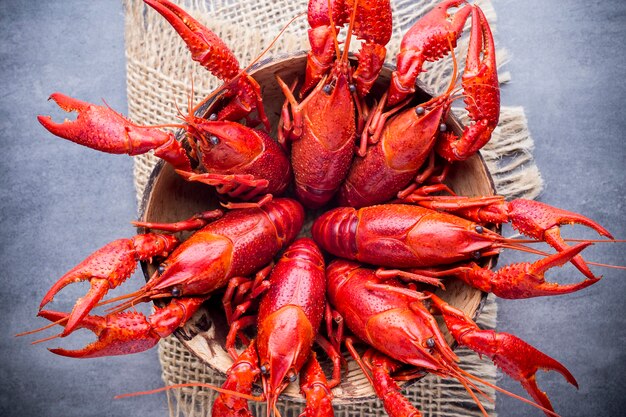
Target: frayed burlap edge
point(159, 73)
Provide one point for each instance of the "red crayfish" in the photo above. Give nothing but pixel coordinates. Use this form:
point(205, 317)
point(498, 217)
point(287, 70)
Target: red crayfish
point(238, 160)
point(236, 245)
point(403, 137)
point(396, 322)
point(323, 137)
point(417, 238)
point(288, 320)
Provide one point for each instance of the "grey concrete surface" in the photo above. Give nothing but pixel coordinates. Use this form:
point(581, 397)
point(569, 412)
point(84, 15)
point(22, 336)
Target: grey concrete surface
point(60, 201)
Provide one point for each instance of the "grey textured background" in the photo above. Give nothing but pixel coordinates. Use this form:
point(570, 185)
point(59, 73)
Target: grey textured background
point(61, 201)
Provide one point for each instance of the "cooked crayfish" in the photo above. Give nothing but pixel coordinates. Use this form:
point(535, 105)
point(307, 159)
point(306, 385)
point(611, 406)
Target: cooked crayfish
point(288, 320)
point(323, 137)
point(416, 238)
point(402, 138)
point(395, 321)
point(236, 245)
point(239, 161)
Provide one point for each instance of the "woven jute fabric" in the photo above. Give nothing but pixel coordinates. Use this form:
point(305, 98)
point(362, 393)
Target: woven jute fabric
point(159, 78)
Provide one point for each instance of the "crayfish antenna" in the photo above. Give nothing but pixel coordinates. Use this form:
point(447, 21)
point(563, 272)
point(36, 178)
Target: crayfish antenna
point(136, 298)
point(514, 245)
point(466, 384)
point(46, 339)
point(508, 393)
point(26, 333)
point(346, 48)
point(191, 385)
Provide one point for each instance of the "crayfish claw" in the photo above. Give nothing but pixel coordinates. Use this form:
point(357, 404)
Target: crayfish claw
point(535, 219)
point(542, 221)
point(205, 46)
point(99, 288)
point(521, 362)
point(103, 129)
point(107, 268)
point(514, 356)
point(524, 279)
point(118, 334)
point(536, 271)
point(428, 39)
point(68, 103)
point(68, 129)
point(481, 91)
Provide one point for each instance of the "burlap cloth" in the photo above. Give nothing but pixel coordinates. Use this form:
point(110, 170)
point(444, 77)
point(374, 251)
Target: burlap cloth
point(159, 71)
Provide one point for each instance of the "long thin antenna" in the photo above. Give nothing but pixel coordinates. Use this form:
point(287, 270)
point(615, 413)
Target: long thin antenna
point(510, 394)
point(192, 385)
point(346, 47)
point(334, 29)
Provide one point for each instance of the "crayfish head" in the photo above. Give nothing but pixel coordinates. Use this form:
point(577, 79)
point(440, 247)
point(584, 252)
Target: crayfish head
point(461, 239)
point(198, 266)
point(284, 342)
point(224, 145)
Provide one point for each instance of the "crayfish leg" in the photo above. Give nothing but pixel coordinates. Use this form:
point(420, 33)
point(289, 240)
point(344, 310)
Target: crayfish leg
point(195, 222)
point(240, 378)
point(316, 390)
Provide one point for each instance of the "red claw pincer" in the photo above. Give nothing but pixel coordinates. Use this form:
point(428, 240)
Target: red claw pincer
point(127, 332)
point(428, 40)
point(101, 128)
point(243, 95)
point(107, 268)
point(482, 94)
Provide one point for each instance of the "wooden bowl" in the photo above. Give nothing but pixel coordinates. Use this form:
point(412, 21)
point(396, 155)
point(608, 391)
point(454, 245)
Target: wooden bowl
point(169, 198)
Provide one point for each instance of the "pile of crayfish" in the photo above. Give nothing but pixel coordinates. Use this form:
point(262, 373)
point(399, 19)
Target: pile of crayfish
point(390, 233)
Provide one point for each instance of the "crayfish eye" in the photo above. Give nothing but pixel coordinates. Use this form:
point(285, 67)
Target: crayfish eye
point(479, 229)
point(292, 377)
point(476, 255)
point(176, 292)
point(161, 268)
point(430, 343)
point(327, 89)
point(264, 370)
point(419, 110)
point(443, 127)
point(213, 117)
point(214, 140)
point(352, 88)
